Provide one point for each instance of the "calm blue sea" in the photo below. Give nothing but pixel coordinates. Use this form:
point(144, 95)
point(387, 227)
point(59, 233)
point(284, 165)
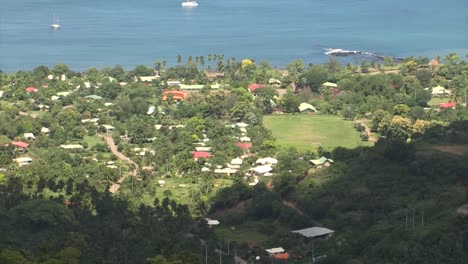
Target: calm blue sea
point(98, 33)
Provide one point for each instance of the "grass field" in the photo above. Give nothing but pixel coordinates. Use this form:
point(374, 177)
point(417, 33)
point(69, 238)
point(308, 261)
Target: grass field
point(435, 101)
point(93, 140)
point(306, 131)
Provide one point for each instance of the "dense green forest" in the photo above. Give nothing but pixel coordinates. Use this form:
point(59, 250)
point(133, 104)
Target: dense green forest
point(110, 166)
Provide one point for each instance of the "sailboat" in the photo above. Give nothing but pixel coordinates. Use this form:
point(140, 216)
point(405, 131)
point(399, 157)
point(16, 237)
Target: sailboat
point(190, 3)
point(55, 24)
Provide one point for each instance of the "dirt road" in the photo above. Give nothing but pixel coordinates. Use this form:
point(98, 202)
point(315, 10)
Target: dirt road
point(110, 142)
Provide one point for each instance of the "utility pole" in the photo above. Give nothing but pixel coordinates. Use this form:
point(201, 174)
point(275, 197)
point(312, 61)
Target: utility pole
point(422, 217)
point(406, 220)
point(413, 219)
point(206, 252)
point(228, 247)
point(220, 254)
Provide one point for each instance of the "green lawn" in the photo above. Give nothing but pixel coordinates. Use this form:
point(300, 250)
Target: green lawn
point(305, 131)
point(183, 193)
point(92, 140)
point(4, 139)
point(435, 101)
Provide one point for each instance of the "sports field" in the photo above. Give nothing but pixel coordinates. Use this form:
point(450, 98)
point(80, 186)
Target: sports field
point(306, 131)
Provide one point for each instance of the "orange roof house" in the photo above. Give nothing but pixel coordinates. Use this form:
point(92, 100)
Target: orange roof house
point(282, 256)
point(176, 95)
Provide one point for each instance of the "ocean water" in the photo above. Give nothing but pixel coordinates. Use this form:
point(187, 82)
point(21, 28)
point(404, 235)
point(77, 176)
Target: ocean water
point(98, 33)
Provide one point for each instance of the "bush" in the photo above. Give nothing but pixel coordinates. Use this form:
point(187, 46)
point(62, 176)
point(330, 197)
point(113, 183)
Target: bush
point(359, 127)
point(364, 136)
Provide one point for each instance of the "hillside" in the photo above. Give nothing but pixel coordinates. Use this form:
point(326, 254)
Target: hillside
point(392, 202)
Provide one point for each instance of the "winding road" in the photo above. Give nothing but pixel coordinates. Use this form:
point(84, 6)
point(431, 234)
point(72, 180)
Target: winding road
point(110, 142)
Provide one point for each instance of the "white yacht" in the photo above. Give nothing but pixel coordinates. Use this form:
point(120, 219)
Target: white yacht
point(55, 24)
point(189, 3)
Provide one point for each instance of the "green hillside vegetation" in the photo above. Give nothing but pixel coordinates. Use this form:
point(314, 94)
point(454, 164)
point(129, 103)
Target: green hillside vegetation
point(393, 202)
point(116, 166)
point(306, 131)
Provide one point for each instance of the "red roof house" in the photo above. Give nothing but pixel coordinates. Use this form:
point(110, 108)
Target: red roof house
point(201, 154)
point(20, 144)
point(254, 86)
point(244, 145)
point(447, 105)
point(31, 89)
point(176, 95)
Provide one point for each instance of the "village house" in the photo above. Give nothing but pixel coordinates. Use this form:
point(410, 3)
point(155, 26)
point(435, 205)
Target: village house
point(323, 161)
point(20, 146)
point(72, 146)
point(201, 155)
point(29, 136)
point(23, 161)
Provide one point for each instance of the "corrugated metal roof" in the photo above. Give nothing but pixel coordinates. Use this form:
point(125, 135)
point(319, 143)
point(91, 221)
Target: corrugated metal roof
point(314, 231)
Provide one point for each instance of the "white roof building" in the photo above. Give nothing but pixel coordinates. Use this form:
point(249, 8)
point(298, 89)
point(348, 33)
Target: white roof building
point(244, 125)
point(23, 161)
point(64, 94)
point(90, 120)
point(108, 127)
point(29, 136)
point(45, 130)
point(212, 222)
point(315, 231)
point(275, 250)
point(267, 160)
point(202, 148)
point(225, 171)
point(237, 161)
point(71, 146)
point(244, 139)
point(151, 110)
point(262, 169)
